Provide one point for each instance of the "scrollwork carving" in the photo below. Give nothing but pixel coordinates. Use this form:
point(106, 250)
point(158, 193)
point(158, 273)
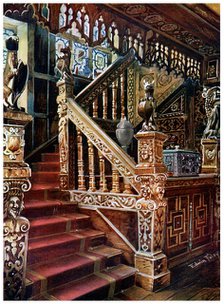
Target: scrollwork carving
point(105, 200)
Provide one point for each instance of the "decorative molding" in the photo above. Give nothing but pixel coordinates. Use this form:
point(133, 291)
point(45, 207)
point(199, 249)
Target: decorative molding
point(105, 200)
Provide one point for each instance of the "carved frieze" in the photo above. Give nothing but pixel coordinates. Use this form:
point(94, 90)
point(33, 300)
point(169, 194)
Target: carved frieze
point(108, 200)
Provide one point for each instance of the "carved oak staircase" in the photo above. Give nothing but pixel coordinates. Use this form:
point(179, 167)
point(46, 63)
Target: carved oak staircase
point(67, 258)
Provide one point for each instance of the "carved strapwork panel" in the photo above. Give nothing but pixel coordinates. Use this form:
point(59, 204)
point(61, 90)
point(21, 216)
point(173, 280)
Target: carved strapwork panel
point(189, 223)
point(177, 232)
point(202, 218)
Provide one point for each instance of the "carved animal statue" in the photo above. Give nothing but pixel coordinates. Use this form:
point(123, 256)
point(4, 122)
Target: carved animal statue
point(212, 107)
point(62, 68)
point(15, 75)
point(146, 108)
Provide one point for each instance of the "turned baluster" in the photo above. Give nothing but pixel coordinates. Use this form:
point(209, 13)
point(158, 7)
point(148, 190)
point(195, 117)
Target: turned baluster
point(92, 181)
point(114, 100)
point(105, 104)
point(115, 181)
point(81, 177)
point(127, 186)
point(103, 181)
point(95, 108)
point(122, 96)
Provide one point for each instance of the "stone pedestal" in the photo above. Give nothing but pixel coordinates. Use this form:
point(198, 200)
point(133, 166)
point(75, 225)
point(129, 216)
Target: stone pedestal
point(210, 156)
point(16, 174)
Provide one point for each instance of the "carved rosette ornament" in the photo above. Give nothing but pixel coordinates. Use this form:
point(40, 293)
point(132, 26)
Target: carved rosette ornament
point(16, 175)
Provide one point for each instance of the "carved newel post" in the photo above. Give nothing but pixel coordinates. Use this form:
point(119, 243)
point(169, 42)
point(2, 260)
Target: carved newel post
point(16, 174)
point(65, 86)
point(151, 176)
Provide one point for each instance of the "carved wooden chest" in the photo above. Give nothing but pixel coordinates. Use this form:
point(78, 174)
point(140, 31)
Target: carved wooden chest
point(182, 162)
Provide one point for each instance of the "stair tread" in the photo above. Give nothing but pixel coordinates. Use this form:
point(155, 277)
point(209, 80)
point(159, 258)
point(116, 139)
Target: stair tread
point(77, 289)
point(35, 203)
point(51, 240)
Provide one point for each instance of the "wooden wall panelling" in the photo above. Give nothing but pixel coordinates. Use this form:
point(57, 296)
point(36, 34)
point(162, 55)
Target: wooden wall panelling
point(190, 228)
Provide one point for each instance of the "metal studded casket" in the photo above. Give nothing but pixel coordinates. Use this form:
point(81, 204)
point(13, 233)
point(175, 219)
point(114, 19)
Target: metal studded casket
point(182, 162)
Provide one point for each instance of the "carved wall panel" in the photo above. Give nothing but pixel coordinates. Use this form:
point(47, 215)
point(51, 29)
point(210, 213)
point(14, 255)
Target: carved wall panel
point(202, 218)
point(189, 223)
point(177, 231)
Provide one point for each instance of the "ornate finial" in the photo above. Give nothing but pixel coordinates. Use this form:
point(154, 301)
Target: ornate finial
point(147, 107)
point(15, 75)
point(212, 108)
point(12, 43)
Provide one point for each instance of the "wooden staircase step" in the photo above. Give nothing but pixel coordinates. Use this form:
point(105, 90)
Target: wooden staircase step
point(39, 208)
point(46, 166)
point(98, 286)
point(64, 223)
point(52, 246)
point(42, 191)
point(67, 268)
point(50, 157)
point(45, 176)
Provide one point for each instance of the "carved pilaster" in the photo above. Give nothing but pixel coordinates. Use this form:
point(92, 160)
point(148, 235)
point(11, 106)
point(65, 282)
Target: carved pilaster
point(65, 91)
point(16, 175)
point(210, 155)
point(151, 178)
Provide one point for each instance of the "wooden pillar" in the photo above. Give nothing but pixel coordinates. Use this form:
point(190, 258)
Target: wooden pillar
point(65, 90)
point(81, 177)
point(16, 182)
point(92, 181)
point(105, 104)
point(115, 181)
point(103, 181)
point(151, 176)
point(114, 100)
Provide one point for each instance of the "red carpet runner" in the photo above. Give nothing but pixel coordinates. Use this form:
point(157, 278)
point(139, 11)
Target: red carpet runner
point(67, 258)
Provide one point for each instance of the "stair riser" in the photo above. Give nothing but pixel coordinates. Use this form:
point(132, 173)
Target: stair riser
point(49, 210)
point(51, 252)
point(51, 157)
point(102, 293)
point(47, 167)
point(43, 194)
point(66, 226)
point(43, 177)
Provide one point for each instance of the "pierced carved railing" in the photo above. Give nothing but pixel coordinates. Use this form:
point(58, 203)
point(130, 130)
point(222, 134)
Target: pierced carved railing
point(98, 173)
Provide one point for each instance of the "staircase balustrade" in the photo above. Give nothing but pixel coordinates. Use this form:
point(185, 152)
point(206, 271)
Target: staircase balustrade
point(99, 173)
